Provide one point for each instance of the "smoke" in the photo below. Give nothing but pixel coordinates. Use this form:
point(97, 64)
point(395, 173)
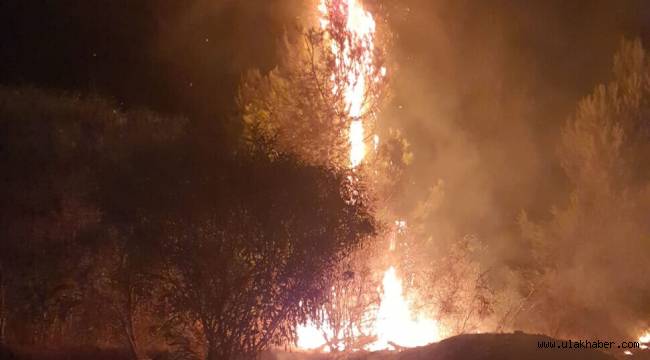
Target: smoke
point(482, 90)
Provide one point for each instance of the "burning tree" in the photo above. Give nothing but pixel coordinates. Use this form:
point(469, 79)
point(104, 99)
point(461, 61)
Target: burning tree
point(343, 321)
point(321, 101)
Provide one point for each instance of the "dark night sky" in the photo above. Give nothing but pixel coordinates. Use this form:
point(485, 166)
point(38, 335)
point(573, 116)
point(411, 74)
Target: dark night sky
point(171, 56)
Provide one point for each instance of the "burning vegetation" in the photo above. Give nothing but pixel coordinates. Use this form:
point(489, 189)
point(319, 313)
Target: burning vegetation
point(305, 223)
point(343, 64)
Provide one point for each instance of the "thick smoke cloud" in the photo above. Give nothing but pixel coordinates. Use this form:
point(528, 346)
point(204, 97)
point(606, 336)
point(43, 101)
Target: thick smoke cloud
point(482, 90)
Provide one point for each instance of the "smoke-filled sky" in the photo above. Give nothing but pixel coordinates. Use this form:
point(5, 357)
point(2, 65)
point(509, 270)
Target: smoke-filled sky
point(483, 87)
point(482, 91)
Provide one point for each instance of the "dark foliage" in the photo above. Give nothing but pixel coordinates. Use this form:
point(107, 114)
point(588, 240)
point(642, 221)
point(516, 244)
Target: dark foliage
point(119, 229)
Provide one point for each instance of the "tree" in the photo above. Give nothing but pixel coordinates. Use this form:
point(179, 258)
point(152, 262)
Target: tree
point(42, 216)
point(80, 188)
point(458, 289)
point(247, 271)
point(141, 182)
point(303, 106)
point(344, 319)
point(596, 248)
point(120, 279)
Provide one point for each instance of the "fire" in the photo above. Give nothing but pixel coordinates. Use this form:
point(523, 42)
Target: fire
point(644, 340)
point(351, 31)
point(644, 343)
point(395, 324)
point(354, 64)
point(312, 337)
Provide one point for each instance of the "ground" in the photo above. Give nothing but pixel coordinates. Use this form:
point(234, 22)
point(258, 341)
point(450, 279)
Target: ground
point(515, 346)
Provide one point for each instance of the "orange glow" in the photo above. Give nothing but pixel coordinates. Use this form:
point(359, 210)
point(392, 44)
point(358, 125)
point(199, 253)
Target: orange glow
point(354, 65)
point(395, 323)
point(644, 340)
point(353, 54)
point(357, 145)
point(311, 337)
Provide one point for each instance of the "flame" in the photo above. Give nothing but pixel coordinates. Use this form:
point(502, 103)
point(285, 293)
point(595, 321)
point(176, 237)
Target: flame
point(353, 55)
point(644, 340)
point(312, 337)
point(354, 64)
point(395, 324)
